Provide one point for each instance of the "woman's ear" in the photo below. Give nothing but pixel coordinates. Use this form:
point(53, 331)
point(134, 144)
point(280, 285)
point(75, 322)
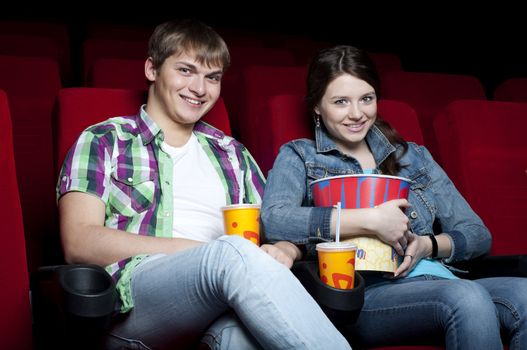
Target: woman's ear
point(316, 110)
point(150, 70)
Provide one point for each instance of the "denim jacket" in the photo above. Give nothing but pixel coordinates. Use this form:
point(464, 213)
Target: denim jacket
point(288, 212)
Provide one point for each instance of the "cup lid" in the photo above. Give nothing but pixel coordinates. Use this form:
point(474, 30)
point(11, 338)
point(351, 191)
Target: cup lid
point(363, 175)
point(240, 206)
point(336, 246)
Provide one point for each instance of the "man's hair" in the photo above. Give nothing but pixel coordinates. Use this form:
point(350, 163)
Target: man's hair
point(176, 37)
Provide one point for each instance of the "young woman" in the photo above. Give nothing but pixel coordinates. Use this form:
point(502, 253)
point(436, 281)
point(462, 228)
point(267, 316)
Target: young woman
point(425, 299)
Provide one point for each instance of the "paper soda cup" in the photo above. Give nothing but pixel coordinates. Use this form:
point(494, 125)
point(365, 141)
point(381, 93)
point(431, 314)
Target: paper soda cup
point(336, 264)
point(364, 191)
point(242, 220)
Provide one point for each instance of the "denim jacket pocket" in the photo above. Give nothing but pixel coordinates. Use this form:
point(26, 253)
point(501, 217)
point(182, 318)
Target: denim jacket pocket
point(133, 193)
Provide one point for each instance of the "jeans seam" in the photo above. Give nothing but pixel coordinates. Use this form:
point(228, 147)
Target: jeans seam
point(130, 340)
point(504, 302)
point(277, 310)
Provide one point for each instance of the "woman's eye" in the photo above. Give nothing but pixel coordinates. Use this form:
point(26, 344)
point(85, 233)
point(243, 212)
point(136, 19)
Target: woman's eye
point(368, 98)
point(340, 101)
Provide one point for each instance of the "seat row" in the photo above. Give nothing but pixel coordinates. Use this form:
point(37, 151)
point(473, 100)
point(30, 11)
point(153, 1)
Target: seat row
point(247, 95)
point(487, 164)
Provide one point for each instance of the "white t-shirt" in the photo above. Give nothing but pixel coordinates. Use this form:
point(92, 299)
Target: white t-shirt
point(198, 193)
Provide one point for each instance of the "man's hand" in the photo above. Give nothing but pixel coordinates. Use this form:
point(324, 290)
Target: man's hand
point(283, 251)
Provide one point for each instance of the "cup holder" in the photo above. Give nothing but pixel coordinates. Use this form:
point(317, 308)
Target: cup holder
point(87, 290)
point(342, 306)
point(72, 306)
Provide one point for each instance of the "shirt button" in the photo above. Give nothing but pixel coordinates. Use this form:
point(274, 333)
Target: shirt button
point(167, 182)
point(64, 178)
point(413, 214)
point(130, 179)
point(167, 214)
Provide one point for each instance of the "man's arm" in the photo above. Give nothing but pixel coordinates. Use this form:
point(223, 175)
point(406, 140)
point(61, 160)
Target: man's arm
point(86, 240)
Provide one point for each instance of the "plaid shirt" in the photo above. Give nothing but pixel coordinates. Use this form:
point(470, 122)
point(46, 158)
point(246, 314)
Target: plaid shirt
point(121, 161)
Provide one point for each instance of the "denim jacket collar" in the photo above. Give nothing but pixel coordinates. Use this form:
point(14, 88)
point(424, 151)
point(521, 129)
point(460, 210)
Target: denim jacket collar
point(379, 144)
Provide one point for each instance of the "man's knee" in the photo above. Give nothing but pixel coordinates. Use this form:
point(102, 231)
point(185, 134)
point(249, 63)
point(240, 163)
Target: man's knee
point(228, 332)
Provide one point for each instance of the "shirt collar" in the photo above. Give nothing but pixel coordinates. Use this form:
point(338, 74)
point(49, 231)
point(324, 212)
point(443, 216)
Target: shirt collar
point(379, 144)
point(148, 129)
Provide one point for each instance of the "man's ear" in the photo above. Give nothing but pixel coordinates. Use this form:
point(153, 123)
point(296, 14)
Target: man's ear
point(150, 70)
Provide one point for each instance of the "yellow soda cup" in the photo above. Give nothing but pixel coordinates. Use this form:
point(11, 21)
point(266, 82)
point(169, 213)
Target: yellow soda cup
point(336, 262)
point(242, 220)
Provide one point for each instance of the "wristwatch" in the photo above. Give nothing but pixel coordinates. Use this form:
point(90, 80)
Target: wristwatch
point(434, 244)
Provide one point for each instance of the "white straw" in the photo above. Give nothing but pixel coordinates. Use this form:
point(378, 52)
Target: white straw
point(242, 188)
point(337, 236)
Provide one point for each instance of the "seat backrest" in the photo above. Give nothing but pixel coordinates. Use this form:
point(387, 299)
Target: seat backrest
point(512, 90)
point(386, 62)
point(403, 118)
point(427, 93)
point(97, 48)
point(31, 84)
point(484, 151)
point(37, 39)
point(118, 73)
point(232, 89)
point(78, 108)
point(259, 84)
point(286, 118)
point(15, 318)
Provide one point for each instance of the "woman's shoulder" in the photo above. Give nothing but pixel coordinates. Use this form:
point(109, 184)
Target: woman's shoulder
point(300, 144)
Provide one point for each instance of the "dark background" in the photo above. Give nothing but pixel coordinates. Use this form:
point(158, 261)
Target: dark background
point(486, 41)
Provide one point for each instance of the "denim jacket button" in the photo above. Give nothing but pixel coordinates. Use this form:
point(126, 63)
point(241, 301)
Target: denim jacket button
point(413, 214)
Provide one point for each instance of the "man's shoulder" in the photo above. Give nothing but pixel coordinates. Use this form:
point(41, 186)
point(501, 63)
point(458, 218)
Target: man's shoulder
point(115, 126)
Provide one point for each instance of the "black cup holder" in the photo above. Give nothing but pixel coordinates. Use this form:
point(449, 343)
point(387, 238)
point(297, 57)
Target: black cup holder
point(72, 306)
point(342, 306)
point(88, 291)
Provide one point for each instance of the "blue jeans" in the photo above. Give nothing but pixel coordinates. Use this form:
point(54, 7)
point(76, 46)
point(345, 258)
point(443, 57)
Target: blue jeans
point(178, 297)
point(466, 314)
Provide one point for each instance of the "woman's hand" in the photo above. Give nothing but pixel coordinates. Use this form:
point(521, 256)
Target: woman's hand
point(390, 224)
point(284, 252)
point(418, 248)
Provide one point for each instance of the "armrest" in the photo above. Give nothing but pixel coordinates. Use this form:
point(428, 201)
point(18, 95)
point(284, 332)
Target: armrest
point(342, 306)
point(497, 266)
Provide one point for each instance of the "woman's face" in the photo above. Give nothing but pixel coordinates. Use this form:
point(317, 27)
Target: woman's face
point(348, 110)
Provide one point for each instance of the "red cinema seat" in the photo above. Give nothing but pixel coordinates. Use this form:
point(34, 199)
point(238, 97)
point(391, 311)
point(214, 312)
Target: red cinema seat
point(31, 85)
point(484, 150)
point(242, 57)
point(512, 90)
point(427, 93)
point(260, 83)
point(78, 108)
point(288, 119)
point(97, 48)
point(386, 62)
point(37, 39)
point(118, 73)
point(15, 318)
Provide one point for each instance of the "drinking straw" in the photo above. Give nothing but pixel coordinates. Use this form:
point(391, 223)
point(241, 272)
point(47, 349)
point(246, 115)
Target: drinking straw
point(242, 188)
point(337, 236)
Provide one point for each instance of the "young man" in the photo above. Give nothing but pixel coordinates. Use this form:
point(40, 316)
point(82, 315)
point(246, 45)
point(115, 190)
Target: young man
point(141, 195)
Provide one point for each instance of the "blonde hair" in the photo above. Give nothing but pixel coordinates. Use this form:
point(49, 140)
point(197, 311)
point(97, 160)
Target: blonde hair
point(176, 37)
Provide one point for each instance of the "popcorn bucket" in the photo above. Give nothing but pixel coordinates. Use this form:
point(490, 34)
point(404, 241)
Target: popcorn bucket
point(364, 191)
